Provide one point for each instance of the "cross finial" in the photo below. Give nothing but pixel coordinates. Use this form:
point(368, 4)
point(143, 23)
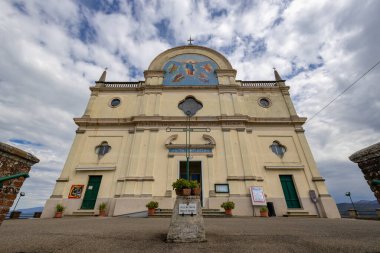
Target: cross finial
point(105, 68)
point(274, 68)
point(190, 40)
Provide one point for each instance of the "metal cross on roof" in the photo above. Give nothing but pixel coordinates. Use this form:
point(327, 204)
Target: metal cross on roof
point(190, 40)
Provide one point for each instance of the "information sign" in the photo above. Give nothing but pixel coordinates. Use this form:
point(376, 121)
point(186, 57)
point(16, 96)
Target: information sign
point(257, 196)
point(190, 208)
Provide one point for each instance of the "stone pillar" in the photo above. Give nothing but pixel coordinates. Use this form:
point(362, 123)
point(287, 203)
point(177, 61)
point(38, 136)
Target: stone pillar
point(187, 227)
point(368, 160)
point(12, 161)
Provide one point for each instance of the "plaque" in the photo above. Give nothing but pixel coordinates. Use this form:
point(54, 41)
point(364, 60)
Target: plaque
point(313, 196)
point(190, 209)
point(257, 196)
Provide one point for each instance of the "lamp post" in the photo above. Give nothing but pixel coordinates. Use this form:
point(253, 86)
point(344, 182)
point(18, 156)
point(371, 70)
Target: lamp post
point(348, 194)
point(22, 194)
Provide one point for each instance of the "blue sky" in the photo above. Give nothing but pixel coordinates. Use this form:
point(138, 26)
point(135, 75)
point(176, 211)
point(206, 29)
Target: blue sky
point(53, 52)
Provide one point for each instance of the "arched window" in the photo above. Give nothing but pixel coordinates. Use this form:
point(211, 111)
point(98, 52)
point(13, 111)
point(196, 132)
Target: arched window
point(278, 149)
point(102, 149)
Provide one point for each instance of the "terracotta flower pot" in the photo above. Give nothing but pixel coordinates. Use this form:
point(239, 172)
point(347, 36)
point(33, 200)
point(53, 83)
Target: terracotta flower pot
point(228, 211)
point(102, 213)
point(186, 192)
point(58, 215)
point(264, 214)
point(179, 192)
point(151, 211)
point(196, 191)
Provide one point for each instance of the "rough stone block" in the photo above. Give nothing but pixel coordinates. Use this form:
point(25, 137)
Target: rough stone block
point(187, 228)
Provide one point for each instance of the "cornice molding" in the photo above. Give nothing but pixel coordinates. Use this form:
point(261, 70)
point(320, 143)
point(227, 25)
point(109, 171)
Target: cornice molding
point(284, 167)
point(147, 122)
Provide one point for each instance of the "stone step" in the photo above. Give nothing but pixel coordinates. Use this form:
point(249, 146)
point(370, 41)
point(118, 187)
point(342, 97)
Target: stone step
point(207, 213)
point(82, 213)
point(300, 214)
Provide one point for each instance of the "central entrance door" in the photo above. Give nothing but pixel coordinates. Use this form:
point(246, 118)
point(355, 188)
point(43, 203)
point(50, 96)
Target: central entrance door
point(195, 172)
point(91, 192)
point(290, 192)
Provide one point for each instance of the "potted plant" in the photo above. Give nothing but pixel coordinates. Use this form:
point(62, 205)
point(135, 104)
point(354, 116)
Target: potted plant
point(264, 211)
point(195, 188)
point(59, 210)
point(182, 187)
point(152, 207)
point(102, 209)
point(228, 206)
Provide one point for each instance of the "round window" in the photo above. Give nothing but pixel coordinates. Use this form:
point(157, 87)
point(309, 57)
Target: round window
point(115, 102)
point(264, 102)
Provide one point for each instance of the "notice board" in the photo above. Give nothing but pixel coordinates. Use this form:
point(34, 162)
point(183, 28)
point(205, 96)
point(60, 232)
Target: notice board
point(257, 196)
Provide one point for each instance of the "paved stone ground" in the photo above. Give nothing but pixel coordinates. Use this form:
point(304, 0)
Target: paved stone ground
point(93, 234)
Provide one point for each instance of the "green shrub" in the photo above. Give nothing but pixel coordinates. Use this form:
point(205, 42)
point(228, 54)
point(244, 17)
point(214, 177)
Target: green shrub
point(228, 205)
point(102, 206)
point(59, 208)
point(152, 204)
point(194, 184)
point(180, 184)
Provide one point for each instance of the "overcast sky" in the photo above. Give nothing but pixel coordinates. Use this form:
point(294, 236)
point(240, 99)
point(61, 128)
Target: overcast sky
point(52, 51)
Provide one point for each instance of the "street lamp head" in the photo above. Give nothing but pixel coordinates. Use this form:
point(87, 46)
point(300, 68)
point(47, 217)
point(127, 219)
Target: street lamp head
point(348, 194)
point(22, 194)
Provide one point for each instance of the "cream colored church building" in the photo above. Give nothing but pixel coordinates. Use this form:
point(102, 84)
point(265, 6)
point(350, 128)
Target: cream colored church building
point(129, 147)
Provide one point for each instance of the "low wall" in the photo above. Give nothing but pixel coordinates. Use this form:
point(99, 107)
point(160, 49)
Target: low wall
point(12, 161)
point(368, 160)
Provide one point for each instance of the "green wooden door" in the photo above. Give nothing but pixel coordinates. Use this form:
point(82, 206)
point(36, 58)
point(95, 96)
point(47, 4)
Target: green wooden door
point(91, 192)
point(290, 192)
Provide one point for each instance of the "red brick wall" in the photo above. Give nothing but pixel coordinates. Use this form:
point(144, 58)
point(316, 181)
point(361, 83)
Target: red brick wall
point(12, 161)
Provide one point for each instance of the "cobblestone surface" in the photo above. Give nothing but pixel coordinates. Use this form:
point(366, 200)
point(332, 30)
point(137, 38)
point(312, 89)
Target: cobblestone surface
point(91, 234)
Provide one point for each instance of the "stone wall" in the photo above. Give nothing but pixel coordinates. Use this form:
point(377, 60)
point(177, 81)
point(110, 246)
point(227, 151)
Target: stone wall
point(368, 160)
point(12, 161)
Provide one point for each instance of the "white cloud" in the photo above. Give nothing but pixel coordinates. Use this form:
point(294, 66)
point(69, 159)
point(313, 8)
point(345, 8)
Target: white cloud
point(51, 53)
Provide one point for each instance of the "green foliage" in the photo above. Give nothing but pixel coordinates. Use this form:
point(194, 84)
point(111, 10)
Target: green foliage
point(264, 209)
point(194, 184)
point(102, 206)
point(181, 184)
point(59, 208)
point(152, 204)
point(228, 205)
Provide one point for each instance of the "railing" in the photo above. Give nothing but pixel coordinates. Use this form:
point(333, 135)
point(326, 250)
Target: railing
point(2, 179)
point(122, 84)
point(258, 83)
point(24, 215)
point(361, 213)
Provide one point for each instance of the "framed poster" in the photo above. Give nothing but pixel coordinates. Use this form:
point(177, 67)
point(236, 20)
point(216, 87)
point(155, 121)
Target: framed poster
point(222, 188)
point(257, 196)
point(76, 191)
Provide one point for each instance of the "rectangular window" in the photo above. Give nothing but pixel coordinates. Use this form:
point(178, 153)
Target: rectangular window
point(290, 192)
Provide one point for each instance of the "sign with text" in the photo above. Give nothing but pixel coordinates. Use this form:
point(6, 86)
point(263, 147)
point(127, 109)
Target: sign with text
point(188, 208)
point(76, 191)
point(257, 196)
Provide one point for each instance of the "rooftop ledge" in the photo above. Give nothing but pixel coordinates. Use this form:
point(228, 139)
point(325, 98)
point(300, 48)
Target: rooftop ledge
point(139, 84)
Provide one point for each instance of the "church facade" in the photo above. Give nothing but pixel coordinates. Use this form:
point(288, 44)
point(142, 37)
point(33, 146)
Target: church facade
point(131, 142)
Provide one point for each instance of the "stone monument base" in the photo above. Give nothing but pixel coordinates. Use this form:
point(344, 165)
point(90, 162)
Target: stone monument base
point(187, 223)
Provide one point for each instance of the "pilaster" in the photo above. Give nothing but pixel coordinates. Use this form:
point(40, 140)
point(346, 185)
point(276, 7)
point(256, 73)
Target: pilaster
point(88, 111)
point(157, 104)
point(150, 161)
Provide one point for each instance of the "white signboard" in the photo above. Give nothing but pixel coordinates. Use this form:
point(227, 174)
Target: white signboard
point(188, 209)
point(257, 196)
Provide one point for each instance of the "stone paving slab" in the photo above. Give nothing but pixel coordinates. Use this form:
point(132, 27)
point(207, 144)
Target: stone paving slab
point(254, 234)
